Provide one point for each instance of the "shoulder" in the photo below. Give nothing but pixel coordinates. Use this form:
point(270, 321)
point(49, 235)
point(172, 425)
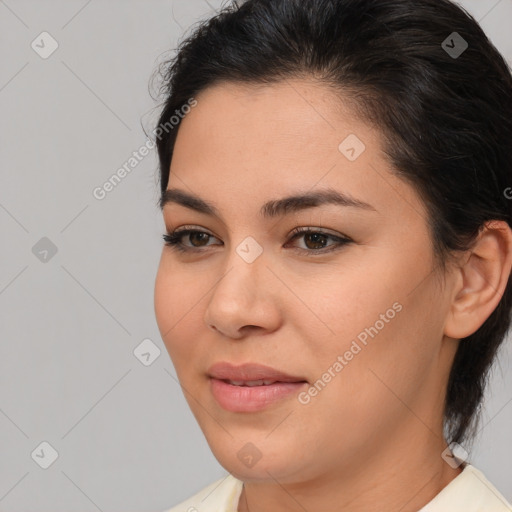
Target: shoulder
point(470, 491)
point(220, 496)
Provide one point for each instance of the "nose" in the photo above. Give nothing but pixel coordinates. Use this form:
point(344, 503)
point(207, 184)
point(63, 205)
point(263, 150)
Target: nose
point(244, 300)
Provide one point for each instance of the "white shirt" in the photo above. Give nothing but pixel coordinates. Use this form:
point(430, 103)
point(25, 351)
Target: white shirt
point(469, 491)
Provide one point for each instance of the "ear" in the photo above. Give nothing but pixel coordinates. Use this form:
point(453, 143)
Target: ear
point(481, 280)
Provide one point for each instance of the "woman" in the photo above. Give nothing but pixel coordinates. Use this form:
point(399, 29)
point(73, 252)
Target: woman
point(335, 282)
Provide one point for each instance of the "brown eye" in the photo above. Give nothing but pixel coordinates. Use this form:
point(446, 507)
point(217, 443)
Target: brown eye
point(199, 237)
point(315, 240)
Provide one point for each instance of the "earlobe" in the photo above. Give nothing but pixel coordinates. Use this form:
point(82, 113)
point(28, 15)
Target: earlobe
point(482, 280)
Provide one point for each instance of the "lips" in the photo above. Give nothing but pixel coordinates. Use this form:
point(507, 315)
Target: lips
point(250, 374)
point(251, 387)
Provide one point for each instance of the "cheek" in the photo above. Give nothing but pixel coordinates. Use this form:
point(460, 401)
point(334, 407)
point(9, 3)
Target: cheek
point(354, 303)
point(176, 303)
point(362, 397)
point(383, 333)
point(164, 301)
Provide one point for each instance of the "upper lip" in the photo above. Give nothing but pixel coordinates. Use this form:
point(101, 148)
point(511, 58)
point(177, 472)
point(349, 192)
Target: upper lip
point(250, 372)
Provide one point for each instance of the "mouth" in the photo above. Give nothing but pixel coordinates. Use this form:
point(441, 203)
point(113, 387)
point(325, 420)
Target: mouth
point(252, 383)
point(250, 374)
point(251, 387)
point(253, 396)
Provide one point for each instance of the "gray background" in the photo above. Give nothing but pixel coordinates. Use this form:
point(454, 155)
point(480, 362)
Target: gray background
point(125, 438)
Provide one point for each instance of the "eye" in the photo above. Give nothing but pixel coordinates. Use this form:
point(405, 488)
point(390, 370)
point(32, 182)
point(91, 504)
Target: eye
point(316, 241)
point(196, 237)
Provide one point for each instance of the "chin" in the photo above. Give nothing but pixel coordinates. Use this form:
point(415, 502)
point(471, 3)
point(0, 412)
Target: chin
point(260, 461)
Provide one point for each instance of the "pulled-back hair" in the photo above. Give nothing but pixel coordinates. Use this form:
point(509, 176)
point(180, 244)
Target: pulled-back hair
point(445, 117)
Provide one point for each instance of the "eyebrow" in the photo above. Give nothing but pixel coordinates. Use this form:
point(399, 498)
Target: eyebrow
point(273, 208)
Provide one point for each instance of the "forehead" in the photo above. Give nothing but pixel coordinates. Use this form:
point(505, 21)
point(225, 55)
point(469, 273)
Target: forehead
point(292, 110)
point(245, 144)
point(269, 129)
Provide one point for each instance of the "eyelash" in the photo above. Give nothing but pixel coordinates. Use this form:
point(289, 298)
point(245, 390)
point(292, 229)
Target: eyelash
point(173, 240)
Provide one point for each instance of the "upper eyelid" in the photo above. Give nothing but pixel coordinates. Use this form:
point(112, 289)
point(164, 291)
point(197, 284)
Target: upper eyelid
point(186, 229)
point(295, 231)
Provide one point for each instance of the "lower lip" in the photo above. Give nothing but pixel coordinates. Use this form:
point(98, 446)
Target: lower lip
point(252, 398)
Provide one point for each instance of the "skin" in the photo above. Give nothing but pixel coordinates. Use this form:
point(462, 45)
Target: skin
point(373, 435)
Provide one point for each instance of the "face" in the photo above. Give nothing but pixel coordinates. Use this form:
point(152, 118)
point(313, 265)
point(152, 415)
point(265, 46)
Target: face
point(348, 306)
